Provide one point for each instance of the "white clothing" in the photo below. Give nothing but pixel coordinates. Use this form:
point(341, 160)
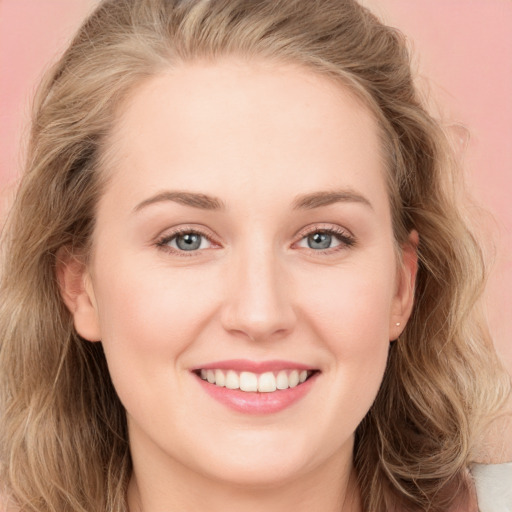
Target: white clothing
point(493, 484)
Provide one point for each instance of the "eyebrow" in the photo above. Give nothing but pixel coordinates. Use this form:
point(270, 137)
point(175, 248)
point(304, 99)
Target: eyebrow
point(201, 201)
point(301, 202)
point(328, 197)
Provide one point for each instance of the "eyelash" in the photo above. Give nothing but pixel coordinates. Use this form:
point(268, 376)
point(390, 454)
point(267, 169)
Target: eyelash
point(162, 242)
point(346, 240)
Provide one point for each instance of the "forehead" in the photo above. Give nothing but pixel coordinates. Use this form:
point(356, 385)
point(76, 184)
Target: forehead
point(245, 127)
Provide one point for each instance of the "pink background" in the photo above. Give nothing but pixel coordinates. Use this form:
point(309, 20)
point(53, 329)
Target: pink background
point(463, 54)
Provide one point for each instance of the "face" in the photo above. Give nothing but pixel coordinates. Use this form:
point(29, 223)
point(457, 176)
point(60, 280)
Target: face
point(245, 227)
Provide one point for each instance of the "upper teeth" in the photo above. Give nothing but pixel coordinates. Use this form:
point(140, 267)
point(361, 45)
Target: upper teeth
point(248, 381)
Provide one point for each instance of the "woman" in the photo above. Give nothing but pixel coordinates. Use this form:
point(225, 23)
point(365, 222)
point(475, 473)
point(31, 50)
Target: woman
point(236, 276)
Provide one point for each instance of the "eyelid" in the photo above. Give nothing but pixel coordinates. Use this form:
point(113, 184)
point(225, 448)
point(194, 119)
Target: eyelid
point(163, 239)
point(346, 238)
point(324, 227)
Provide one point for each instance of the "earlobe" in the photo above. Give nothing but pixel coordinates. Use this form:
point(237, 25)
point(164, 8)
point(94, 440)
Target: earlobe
point(77, 293)
point(406, 282)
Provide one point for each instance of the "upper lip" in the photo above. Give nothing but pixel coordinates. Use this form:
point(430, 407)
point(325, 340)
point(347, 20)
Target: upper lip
point(246, 365)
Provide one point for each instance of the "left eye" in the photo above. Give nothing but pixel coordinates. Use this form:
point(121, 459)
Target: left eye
point(187, 241)
point(325, 239)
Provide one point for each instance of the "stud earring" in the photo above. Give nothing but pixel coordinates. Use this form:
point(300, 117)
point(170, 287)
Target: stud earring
point(392, 342)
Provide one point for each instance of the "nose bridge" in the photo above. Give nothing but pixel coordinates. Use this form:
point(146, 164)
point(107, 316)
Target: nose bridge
point(257, 302)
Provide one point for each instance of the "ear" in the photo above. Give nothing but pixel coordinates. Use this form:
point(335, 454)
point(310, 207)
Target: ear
point(77, 293)
point(406, 280)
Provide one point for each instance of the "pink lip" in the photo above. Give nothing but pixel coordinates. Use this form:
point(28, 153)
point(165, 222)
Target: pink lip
point(245, 365)
point(257, 403)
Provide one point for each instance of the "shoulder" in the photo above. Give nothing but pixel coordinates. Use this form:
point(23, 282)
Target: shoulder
point(493, 484)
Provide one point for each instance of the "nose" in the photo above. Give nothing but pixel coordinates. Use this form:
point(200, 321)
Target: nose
point(257, 303)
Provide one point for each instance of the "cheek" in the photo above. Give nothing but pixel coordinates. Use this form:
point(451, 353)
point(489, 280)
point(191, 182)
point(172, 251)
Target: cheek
point(151, 315)
point(349, 311)
point(349, 307)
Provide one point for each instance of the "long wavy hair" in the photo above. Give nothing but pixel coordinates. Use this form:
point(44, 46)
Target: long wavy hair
point(63, 439)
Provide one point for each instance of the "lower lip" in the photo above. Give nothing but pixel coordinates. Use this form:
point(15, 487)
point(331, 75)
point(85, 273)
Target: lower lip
point(258, 403)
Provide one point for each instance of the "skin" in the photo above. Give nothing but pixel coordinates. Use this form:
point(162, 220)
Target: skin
point(255, 135)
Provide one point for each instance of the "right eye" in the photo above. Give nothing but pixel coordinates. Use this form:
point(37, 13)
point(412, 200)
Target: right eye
point(183, 241)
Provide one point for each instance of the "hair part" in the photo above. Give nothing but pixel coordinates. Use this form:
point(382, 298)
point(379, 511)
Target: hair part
point(63, 445)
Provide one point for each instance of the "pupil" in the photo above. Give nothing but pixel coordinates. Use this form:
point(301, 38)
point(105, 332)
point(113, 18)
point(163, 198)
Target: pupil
point(319, 241)
point(188, 242)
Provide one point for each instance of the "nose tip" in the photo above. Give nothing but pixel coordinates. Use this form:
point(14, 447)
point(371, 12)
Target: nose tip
point(257, 302)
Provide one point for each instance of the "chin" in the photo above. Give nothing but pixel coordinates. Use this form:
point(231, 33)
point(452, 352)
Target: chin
point(260, 462)
point(272, 473)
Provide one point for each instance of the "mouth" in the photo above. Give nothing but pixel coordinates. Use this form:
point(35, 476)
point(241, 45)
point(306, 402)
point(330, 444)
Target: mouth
point(251, 382)
point(256, 387)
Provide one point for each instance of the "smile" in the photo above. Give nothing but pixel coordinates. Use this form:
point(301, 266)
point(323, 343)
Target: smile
point(251, 382)
point(252, 387)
